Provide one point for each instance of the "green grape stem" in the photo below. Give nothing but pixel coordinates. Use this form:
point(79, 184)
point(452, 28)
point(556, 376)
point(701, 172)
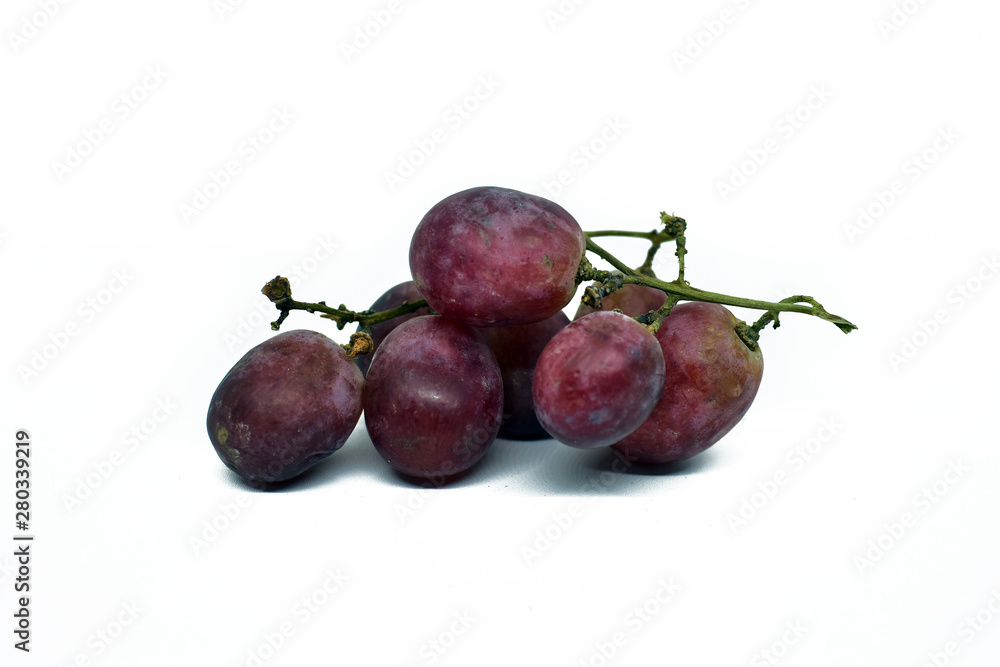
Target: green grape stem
point(279, 291)
point(681, 290)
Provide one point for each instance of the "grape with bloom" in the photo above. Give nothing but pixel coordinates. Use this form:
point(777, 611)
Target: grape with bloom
point(712, 378)
point(493, 256)
point(477, 345)
point(288, 403)
point(597, 380)
point(433, 398)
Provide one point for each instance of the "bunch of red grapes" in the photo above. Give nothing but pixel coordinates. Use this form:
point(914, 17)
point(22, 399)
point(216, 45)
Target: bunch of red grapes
point(491, 354)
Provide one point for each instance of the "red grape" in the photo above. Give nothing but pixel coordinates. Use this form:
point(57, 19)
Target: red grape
point(517, 348)
point(393, 297)
point(597, 380)
point(492, 256)
point(712, 377)
point(288, 403)
point(433, 398)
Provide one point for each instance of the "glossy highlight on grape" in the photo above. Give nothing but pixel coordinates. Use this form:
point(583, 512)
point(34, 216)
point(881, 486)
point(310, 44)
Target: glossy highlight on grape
point(492, 256)
point(433, 398)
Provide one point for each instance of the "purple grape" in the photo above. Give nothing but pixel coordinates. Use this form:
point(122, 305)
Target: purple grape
point(393, 297)
point(433, 398)
point(494, 257)
point(597, 380)
point(288, 403)
point(517, 348)
point(712, 378)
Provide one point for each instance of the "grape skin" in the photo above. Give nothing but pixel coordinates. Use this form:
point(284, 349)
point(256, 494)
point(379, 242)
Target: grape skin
point(433, 399)
point(712, 378)
point(288, 403)
point(492, 256)
point(517, 348)
point(597, 380)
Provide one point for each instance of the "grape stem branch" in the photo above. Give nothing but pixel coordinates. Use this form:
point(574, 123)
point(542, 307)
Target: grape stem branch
point(681, 290)
point(279, 291)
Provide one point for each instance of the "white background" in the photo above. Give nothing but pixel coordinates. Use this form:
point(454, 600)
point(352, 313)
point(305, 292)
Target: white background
point(825, 552)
